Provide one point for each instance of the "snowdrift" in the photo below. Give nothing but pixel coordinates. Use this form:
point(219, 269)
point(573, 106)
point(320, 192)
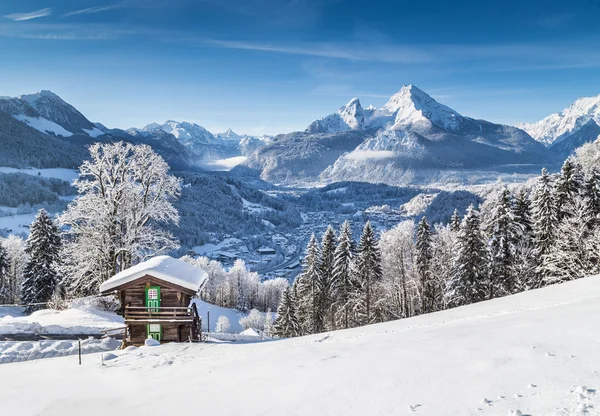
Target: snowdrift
point(535, 352)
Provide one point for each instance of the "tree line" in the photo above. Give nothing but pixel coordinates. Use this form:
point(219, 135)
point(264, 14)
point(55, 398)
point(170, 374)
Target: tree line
point(514, 241)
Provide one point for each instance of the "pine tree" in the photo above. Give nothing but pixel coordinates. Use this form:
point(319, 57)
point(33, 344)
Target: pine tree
point(311, 314)
point(43, 246)
point(5, 286)
point(328, 245)
point(568, 185)
point(342, 286)
point(522, 215)
point(368, 277)
point(544, 217)
point(424, 256)
point(502, 234)
point(455, 221)
point(286, 324)
point(469, 279)
point(591, 195)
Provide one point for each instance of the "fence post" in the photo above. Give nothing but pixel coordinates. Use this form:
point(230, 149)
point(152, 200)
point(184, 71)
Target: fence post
point(79, 342)
point(207, 324)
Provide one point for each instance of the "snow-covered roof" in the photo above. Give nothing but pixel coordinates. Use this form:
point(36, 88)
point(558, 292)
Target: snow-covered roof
point(166, 268)
point(250, 332)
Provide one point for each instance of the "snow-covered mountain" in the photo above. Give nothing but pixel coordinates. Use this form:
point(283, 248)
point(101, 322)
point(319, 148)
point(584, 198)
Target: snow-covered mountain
point(48, 113)
point(204, 145)
point(565, 131)
point(411, 132)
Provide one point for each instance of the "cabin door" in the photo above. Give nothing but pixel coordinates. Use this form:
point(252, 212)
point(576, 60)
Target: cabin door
point(153, 304)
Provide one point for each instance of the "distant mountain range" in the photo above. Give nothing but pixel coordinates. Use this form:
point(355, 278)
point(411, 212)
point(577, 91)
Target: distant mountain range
point(565, 131)
point(410, 139)
point(411, 134)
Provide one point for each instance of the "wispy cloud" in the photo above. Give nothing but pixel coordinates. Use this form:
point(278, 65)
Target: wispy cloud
point(17, 17)
point(69, 31)
point(96, 9)
point(382, 53)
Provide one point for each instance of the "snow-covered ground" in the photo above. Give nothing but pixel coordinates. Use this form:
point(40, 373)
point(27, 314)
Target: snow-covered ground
point(535, 352)
point(82, 317)
point(13, 351)
point(233, 315)
point(17, 223)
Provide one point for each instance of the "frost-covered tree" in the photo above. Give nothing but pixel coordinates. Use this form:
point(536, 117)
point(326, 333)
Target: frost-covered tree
point(368, 278)
point(328, 245)
point(6, 290)
point(424, 257)
point(343, 274)
point(523, 267)
point(17, 258)
point(575, 253)
point(443, 242)
point(470, 277)
point(310, 310)
point(222, 325)
point(286, 324)
point(118, 219)
point(268, 332)
point(255, 320)
point(502, 233)
point(544, 215)
point(40, 276)
point(400, 281)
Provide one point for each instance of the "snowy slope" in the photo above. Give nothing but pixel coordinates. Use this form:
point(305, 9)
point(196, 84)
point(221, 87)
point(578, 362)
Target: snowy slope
point(535, 353)
point(579, 123)
point(48, 113)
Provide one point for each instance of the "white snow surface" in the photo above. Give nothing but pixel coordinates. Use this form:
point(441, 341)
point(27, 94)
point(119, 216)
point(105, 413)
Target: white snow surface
point(44, 125)
point(82, 317)
point(166, 268)
point(568, 121)
point(95, 132)
point(483, 359)
point(13, 351)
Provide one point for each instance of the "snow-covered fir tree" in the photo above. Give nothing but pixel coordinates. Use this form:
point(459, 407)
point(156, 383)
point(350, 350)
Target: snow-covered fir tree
point(286, 324)
point(367, 294)
point(125, 200)
point(591, 194)
point(328, 245)
point(470, 277)
point(343, 274)
point(545, 219)
point(424, 257)
point(310, 310)
point(502, 233)
point(455, 221)
point(443, 242)
point(522, 215)
point(567, 189)
point(43, 249)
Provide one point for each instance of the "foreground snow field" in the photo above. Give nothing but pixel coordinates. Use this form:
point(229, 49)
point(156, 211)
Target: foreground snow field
point(536, 352)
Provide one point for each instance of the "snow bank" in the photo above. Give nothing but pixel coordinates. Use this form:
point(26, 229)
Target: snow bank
point(13, 351)
point(482, 359)
point(82, 317)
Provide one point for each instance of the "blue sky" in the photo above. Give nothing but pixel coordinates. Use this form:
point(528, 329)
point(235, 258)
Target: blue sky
point(272, 66)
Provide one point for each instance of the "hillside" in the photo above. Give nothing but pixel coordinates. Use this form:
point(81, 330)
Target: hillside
point(533, 353)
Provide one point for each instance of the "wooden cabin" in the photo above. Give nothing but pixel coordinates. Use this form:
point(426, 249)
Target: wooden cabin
point(156, 298)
